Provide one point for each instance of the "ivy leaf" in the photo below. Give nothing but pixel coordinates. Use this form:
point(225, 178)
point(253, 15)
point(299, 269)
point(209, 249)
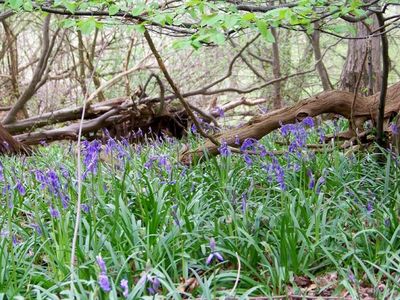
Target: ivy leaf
point(113, 10)
point(265, 31)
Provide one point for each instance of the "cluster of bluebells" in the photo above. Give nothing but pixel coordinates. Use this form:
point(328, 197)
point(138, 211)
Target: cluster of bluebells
point(299, 133)
point(116, 147)
point(51, 181)
point(252, 146)
point(103, 278)
point(162, 161)
point(91, 154)
point(275, 168)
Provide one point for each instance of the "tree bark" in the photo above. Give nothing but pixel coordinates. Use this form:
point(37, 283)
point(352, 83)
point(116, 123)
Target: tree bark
point(323, 74)
point(37, 76)
point(276, 69)
point(353, 65)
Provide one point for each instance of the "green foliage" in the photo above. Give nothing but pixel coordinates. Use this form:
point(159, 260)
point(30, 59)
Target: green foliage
point(211, 21)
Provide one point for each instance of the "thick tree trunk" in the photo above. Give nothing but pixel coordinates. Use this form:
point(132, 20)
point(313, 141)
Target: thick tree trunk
point(357, 48)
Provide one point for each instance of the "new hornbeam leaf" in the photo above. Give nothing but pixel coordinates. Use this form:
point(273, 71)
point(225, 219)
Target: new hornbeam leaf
point(87, 26)
point(265, 31)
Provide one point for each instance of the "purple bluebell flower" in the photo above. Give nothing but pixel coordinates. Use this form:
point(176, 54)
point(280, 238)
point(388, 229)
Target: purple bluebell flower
point(394, 128)
point(248, 144)
point(155, 285)
point(20, 188)
point(41, 178)
point(193, 128)
point(124, 286)
point(64, 201)
point(85, 208)
point(15, 241)
point(308, 121)
point(101, 264)
point(148, 165)
point(1, 172)
point(248, 160)
point(224, 149)
point(54, 213)
point(104, 283)
point(214, 254)
point(163, 162)
point(37, 228)
point(310, 175)
point(220, 111)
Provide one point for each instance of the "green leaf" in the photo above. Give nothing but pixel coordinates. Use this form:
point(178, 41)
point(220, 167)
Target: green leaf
point(182, 44)
point(217, 37)
point(87, 26)
point(68, 23)
point(231, 21)
point(249, 17)
point(15, 4)
point(70, 6)
point(139, 9)
point(28, 6)
point(265, 31)
point(113, 9)
point(140, 28)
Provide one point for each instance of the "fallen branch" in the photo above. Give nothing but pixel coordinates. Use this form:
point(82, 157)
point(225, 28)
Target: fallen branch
point(337, 102)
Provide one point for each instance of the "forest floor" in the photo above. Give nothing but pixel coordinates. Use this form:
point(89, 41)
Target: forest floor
point(299, 225)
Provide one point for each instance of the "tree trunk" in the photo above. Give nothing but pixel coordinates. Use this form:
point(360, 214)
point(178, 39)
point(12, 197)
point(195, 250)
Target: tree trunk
point(370, 83)
point(276, 69)
point(323, 74)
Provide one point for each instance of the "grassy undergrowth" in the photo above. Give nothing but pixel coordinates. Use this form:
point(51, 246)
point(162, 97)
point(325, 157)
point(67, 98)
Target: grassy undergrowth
point(297, 223)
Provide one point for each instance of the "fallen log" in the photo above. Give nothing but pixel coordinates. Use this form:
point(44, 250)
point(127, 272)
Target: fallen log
point(336, 102)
